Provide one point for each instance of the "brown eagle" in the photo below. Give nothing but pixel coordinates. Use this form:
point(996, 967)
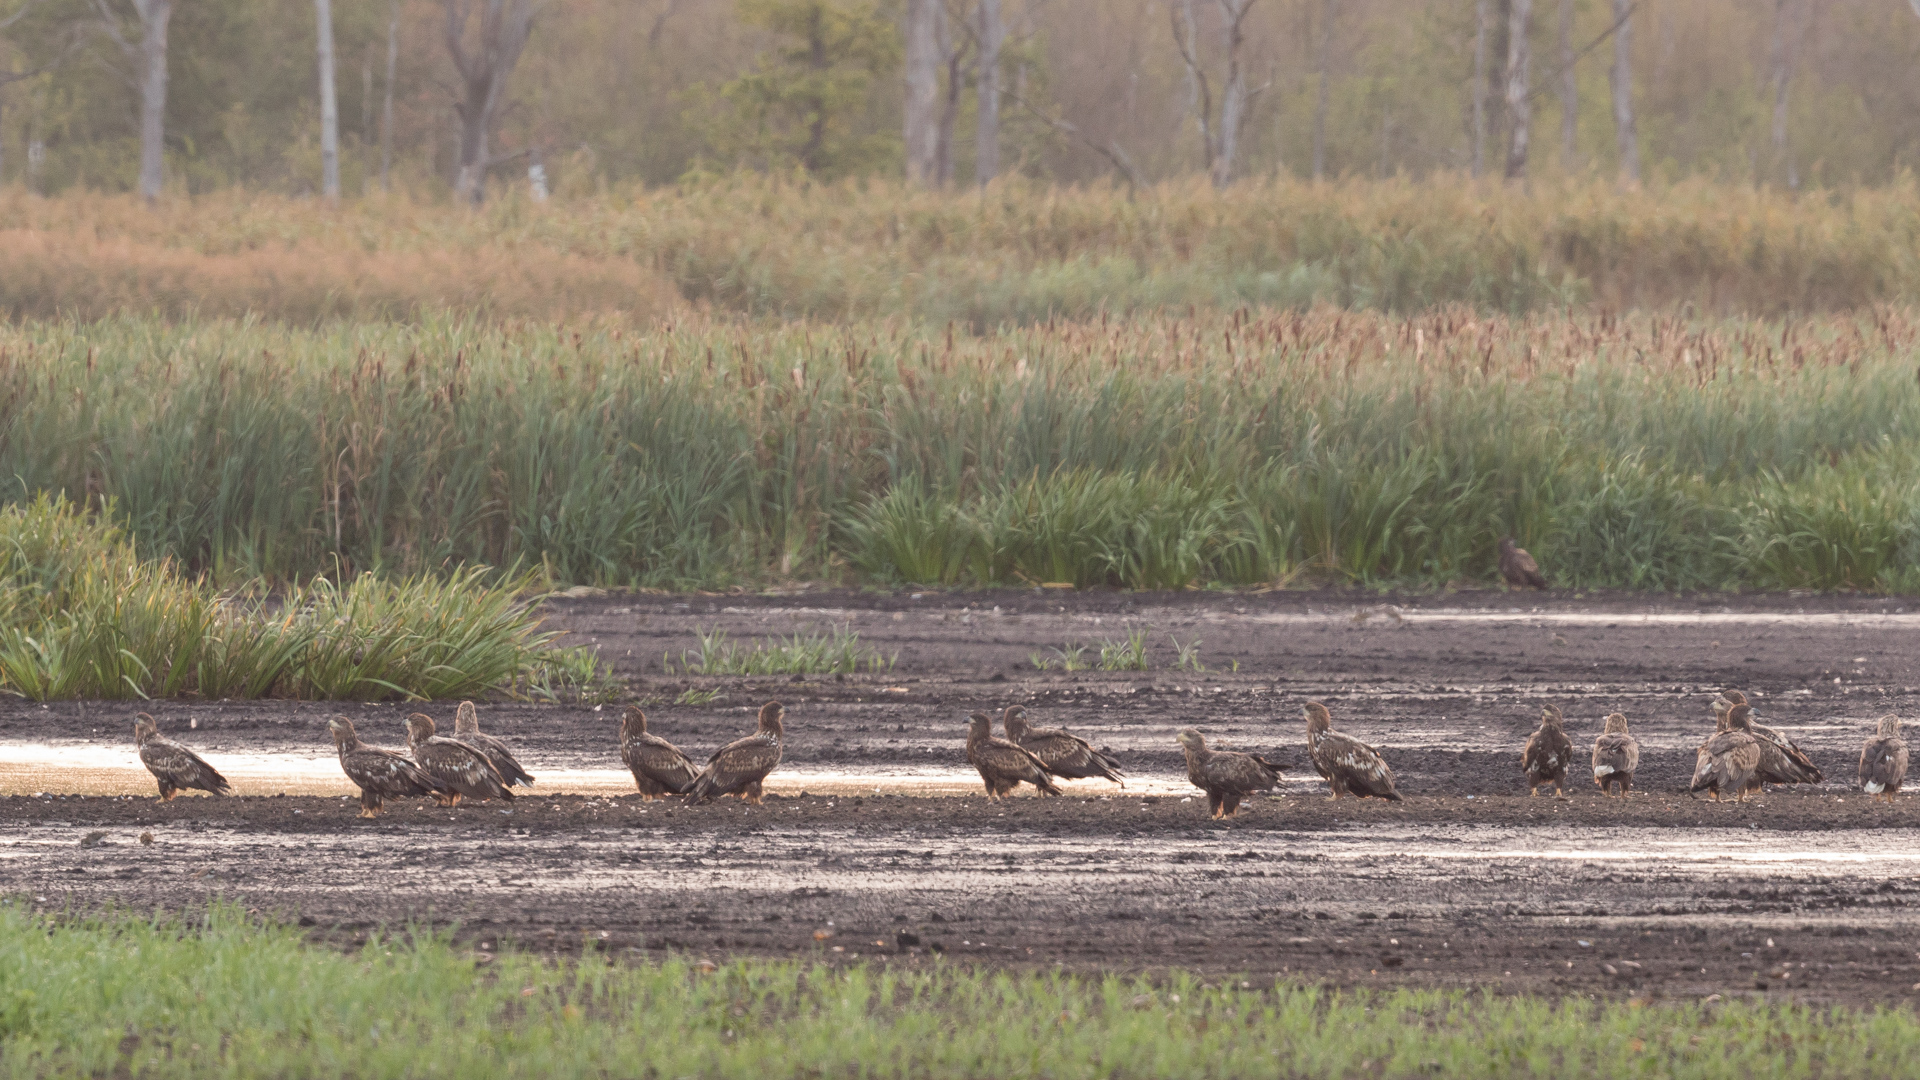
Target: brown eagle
point(1883, 760)
point(466, 729)
point(1068, 757)
point(1004, 766)
point(382, 774)
point(1225, 775)
point(1347, 764)
point(1781, 762)
point(459, 770)
point(1547, 754)
point(176, 767)
point(1725, 765)
point(1518, 567)
point(659, 768)
point(739, 767)
point(1616, 756)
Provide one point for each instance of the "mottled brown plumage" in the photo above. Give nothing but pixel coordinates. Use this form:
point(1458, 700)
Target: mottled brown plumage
point(1616, 756)
point(1066, 756)
point(659, 768)
point(1002, 765)
point(466, 729)
point(174, 766)
point(1518, 567)
point(1725, 765)
point(741, 767)
point(460, 770)
point(1781, 761)
point(1347, 764)
point(382, 774)
point(1547, 754)
point(1883, 760)
point(1226, 776)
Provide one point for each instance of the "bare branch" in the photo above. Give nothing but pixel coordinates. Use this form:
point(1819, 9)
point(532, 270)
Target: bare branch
point(1110, 149)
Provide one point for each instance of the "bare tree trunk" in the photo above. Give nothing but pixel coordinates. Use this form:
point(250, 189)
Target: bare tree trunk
point(1482, 27)
point(1782, 80)
point(986, 135)
point(1323, 61)
point(1519, 100)
point(1185, 35)
point(1569, 91)
point(154, 16)
point(329, 105)
point(956, 64)
point(923, 91)
point(386, 104)
point(483, 71)
point(1221, 139)
point(1621, 77)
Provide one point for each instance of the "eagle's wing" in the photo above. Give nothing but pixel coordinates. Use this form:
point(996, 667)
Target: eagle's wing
point(1069, 756)
point(174, 764)
point(1883, 764)
point(662, 762)
point(1242, 773)
point(1001, 760)
point(1782, 762)
point(1615, 754)
point(1360, 767)
point(387, 774)
point(498, 756)
point(1547, 754)
point(462, 768)
point(736, 765)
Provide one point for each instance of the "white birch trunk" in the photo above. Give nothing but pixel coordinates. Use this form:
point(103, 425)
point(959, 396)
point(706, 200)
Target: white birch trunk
point(921, 130)
point(329, 105)
point(1621, 76)
point(154, 16)
point(1519, 103)
point(1482, 27)
point(1323, 93)
point(1569, 91)
point(986, 135)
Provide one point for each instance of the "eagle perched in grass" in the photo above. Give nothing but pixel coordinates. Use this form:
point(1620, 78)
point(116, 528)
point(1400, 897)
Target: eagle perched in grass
point(1066, 756)
point(176, 767)
point(1725, 765)
point(1547, 754)
point(1004, 766)
point(466, 729)
point(659, 768)
point(382, 774)
point(1518, 567)
point(1616, 756)
point(1883, 760)
point(740, 767)
point(1226, 776)
point(458, 769)
point(1347, 764)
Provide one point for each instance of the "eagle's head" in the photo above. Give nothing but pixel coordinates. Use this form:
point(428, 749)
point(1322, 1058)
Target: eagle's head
point(144, 728)
point(1507, 545)
point(466, 721)
point(1721, 706)
point(1190, 739)
point(1014, 719)
point(633, 722)
point(1889, 725)
point(980, 727)
point(1740, 718)
point(342, 731)
point(1318, 718)
point(1734, 696)
point(1616, 724)
point(1551, 715)
point(770, 716)
point(419, 728)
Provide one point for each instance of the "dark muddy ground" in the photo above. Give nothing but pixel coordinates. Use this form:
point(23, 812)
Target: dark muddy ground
point(1467, 883)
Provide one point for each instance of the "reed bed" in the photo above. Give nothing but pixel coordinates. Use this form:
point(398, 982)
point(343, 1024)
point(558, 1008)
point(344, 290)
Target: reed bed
point(1012, 253)
point(1161, 451)
point(244, 998)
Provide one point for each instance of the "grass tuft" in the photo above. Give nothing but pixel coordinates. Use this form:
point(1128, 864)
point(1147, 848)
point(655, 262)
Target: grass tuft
point(836, 651)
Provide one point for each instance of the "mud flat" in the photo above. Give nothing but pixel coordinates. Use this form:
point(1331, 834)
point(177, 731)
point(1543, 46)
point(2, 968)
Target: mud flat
point(1805, 892)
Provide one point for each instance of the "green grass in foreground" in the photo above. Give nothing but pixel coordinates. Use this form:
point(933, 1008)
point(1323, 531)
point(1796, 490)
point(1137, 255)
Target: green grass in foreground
point(229, 996)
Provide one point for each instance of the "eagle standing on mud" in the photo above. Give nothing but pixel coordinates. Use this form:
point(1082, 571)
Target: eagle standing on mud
point(1781, 762)
point(1883, 760)
point(466, 729)
point(1226, 776)
point(1518, 567)
point(1346, 763)
point(460, 770)
point(1547, 754)
point(1004, 766)
point(176, 767)
point(1616, 756)
point(1725, 765)
point(659, 768)
point(382, 774)
point(740, 767)
point(1066, 756)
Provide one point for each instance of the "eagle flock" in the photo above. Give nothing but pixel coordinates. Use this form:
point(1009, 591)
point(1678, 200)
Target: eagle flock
point(1736, 760)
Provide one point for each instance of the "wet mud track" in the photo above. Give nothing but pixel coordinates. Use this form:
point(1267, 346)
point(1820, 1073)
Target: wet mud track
point(1807, 892)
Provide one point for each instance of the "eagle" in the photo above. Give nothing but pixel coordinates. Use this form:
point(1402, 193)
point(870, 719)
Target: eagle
point(1518, 567)
point(1004, 766)
point(466, 729)
point(1547, 754)
point(1781, 762)
point(739, 767)
point(1725, 765)
point(1225, 775)
point(1883, 760)
point(459, 769)
point(176, 767)
point(382, 774)
point(1068, 757)
point(659, 768)
point(1616, 756)
point(1347, 764)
